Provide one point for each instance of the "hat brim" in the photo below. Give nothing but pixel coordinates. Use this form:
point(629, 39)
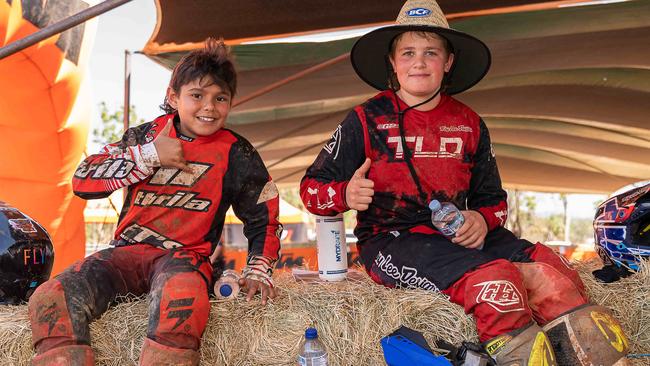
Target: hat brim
point(472, 57)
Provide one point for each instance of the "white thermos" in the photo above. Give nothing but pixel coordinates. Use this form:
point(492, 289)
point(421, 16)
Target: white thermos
point(332, 249)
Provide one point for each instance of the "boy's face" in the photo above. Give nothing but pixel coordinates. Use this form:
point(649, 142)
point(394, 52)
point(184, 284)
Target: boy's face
point(202, 107)
point(420, 63)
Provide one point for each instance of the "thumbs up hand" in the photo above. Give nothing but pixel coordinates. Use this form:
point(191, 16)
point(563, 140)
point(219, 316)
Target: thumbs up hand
point(170, 150)
point(359, 192)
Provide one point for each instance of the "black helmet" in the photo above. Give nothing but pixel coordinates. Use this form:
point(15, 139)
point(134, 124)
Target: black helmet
point(26, 255)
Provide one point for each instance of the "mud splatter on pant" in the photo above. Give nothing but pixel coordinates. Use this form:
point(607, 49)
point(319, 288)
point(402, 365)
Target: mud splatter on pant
point(177, 282)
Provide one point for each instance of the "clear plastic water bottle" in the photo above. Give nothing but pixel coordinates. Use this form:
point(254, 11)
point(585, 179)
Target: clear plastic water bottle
point(446, 217)
point(312, 351)
point(227, 286)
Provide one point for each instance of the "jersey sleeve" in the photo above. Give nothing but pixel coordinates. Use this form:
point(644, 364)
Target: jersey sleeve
point(257, 205)
point(486, 194)
point(117, 165)
point(322, 189)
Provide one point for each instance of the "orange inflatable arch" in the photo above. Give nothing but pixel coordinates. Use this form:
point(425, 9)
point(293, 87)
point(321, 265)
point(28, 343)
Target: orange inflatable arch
point(44, 120)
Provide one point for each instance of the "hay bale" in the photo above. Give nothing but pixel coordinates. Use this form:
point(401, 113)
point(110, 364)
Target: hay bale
point(351, 318)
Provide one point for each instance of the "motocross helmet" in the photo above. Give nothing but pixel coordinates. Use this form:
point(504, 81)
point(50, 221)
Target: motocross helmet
point(26, 255)
point(622, 228)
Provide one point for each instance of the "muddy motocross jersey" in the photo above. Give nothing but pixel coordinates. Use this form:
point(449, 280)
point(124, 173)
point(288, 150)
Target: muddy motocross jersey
point(451, 154)
point(170, 208)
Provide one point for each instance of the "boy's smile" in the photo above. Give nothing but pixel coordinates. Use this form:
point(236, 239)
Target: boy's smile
point(202, 106)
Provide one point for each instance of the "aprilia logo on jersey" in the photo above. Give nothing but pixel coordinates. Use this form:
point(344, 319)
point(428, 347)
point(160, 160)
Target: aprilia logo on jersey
point(450, 147)
point(177, 177)
point(179, 199)
point(501, 295)
point(110, 168)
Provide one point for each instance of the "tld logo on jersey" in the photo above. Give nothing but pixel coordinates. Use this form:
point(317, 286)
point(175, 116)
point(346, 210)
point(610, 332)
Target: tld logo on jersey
point(501, 295)
point(418, 12)
point(450, 147)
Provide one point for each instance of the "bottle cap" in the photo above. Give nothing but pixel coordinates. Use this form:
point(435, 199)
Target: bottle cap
point(225, 290)
point(434, 205)
point(311, 333)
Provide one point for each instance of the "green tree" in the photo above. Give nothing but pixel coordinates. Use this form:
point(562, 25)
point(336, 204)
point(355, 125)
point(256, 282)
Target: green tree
point(112, 126)
point(292, 196)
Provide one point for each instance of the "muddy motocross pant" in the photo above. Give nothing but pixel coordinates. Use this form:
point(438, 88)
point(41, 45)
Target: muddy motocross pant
point(505, 286)
point(177, 282)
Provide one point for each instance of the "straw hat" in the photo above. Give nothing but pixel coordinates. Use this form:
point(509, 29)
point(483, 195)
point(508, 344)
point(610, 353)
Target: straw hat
point(370, 53)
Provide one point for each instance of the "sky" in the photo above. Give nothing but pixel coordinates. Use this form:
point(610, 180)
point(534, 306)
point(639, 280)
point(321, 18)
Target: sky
point(129, 26)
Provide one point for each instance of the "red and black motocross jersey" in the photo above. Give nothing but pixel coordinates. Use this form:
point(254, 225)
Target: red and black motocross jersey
point(450, 151)
point(170, 208)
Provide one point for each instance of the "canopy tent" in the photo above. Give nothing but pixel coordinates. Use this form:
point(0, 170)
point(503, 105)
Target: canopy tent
point(566, 99)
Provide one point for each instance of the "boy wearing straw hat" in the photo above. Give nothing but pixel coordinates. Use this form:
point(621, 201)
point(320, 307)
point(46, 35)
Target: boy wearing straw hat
point(182, 171)
point(412, 143)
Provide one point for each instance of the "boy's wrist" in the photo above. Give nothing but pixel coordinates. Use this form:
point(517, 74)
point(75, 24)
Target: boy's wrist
point(259, 268)
point(150, 155)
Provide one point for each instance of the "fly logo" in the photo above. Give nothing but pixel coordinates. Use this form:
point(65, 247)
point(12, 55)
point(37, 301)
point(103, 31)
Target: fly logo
point(502, 295)
point(177, 177)
point(450, 147)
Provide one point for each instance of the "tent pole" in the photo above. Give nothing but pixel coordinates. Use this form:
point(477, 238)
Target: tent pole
point(59, 27)
point(127, 89)
point(291, 78)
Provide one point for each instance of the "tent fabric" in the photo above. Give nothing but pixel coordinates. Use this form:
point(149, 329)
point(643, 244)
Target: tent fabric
point(239, 21)
point(565, 99)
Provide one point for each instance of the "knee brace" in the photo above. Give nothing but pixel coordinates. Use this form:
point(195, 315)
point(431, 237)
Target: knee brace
point(550, 292)
point(526, 346)
point(588, 336)
point(540, 253)
point(495, 295)
point(50, 318)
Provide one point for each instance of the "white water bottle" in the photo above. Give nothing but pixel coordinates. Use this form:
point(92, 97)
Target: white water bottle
point(331, 247)
point(312, 351)
point(446, 217)
point(227, 286)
